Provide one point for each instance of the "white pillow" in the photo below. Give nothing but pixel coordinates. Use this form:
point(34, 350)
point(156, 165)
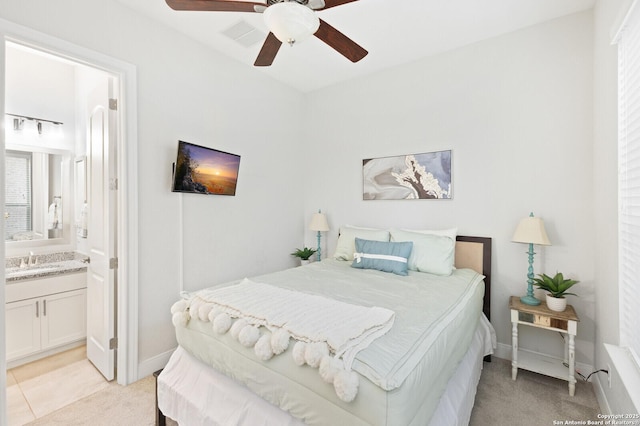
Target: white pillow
point(450, 232)
point(431, 252)
point(347, 240)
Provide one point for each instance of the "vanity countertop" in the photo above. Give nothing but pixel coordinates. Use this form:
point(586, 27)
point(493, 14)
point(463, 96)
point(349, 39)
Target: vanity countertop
point(46, 265)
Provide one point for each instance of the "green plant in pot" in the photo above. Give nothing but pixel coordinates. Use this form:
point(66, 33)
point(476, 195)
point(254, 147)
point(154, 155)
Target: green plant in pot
point(304, 254)
point(556, 288)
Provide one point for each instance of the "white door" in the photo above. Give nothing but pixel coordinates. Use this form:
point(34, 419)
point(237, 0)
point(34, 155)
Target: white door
point(101, 285)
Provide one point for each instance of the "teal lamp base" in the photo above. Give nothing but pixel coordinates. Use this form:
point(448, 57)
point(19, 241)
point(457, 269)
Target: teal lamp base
point(530, 300)
point(318, 251)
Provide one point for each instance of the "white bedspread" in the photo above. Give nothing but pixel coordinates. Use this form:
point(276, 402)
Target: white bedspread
point(196, 395)
point(402, 374)
point(345, 327)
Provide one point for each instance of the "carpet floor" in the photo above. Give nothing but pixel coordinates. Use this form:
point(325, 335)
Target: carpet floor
point(531, 400)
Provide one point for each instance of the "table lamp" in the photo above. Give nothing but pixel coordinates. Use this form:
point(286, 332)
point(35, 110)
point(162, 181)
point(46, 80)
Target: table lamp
point(531, 231)
point(319, 224)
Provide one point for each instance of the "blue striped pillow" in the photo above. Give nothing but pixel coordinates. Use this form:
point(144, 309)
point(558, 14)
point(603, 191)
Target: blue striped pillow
point(382, 256)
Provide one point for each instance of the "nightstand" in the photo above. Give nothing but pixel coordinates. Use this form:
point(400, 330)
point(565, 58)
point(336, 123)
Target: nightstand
point(541, 316)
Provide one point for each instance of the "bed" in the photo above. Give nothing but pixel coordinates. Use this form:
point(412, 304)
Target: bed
point(421, 369)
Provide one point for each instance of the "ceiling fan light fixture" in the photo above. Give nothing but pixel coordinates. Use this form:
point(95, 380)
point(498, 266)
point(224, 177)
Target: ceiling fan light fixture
point(291, 22)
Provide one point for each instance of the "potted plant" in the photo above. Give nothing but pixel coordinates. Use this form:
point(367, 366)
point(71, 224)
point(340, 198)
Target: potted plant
point(304, 254)
point(556, 289)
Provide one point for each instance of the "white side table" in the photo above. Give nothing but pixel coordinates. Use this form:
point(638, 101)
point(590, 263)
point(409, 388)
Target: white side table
point(542, 317)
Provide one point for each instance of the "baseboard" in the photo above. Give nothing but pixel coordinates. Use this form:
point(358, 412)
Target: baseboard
point(46, 353)
point(624, 373)
point(151, 365)
point(601, 396)
point(504, 351)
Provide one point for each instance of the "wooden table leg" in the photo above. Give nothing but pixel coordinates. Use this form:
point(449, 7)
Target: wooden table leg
point(572, 365)
point(514, 355)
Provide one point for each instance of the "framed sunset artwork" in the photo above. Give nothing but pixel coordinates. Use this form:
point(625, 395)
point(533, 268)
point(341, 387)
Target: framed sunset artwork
point(202, 170)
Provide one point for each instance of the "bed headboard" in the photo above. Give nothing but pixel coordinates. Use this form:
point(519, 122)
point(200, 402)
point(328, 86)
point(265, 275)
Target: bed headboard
point(475, 253)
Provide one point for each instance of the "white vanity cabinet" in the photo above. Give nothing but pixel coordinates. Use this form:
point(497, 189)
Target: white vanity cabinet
point(23, 328)
point(45, 313)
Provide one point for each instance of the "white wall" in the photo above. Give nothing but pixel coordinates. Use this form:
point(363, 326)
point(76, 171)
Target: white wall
point(42, 88)
point(187, 92)
point(517, 112)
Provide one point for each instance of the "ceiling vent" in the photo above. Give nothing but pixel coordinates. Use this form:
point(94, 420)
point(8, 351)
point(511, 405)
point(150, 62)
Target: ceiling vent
point(245, 34)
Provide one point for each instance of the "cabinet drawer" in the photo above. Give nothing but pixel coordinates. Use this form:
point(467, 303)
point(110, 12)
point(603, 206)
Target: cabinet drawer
point(543, 320)
point(38, 287)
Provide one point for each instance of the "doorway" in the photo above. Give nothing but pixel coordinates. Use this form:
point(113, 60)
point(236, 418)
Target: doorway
point(42, 86)
point(124, 190)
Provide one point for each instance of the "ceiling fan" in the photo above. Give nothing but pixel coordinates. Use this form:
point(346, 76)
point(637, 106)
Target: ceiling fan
point(288, 21)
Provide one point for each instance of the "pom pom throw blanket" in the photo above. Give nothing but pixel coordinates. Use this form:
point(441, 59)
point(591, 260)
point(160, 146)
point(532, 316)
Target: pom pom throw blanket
point(322, 327)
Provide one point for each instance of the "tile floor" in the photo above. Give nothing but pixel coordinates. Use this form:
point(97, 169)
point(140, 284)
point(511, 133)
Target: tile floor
point(44, 386)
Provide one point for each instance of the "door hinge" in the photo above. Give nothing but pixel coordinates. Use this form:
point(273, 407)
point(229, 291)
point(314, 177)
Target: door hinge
point(113, 184)
point(113, 104)
point(113, 263)
point(113, 343)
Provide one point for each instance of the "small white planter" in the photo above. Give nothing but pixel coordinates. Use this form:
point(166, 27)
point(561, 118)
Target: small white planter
point(304, 262)
point(557, 304)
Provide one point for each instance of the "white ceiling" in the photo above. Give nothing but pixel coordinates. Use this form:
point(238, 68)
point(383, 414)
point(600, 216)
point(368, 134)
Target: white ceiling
point(393, 31)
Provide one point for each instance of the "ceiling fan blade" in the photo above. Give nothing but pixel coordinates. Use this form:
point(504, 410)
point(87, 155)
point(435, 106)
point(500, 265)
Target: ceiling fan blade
point(334, 3)
point(340, 42)
point(216, 5)
point(268, 52)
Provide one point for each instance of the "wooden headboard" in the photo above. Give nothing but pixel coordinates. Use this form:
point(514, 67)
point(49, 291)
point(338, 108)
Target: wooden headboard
point(475, 253)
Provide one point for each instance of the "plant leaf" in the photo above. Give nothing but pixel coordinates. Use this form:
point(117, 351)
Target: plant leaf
point(556, 286)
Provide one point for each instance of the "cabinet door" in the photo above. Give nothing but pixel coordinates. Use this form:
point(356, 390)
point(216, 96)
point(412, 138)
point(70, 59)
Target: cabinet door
point(23, 327)
point(64, 318)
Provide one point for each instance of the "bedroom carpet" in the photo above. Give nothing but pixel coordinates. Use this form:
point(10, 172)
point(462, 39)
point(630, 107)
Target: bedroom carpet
point(131, 405)
point(531, 400)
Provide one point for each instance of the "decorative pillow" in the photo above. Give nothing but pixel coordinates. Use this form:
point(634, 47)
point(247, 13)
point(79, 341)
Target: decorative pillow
point(431, 253)
point(382, 256)
point(346, 241)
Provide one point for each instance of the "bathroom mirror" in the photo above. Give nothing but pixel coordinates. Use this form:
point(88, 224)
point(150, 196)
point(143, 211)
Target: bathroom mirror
point(36, 196)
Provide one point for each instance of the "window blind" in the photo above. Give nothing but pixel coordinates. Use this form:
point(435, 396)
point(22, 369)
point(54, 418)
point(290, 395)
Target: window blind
point(629, 178)
point(18, 197)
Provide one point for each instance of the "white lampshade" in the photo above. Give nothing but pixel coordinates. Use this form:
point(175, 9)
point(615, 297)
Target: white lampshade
point(290, 21)
point(531, 230)
point(319, 222)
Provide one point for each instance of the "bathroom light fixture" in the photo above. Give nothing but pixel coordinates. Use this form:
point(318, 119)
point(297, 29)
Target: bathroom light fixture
point(22, 118)
point(319, 223)
point(531, 231)
point(290, 21)
point(18, 124)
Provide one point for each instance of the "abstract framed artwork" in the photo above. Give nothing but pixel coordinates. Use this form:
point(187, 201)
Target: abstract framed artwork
point(407, 177)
